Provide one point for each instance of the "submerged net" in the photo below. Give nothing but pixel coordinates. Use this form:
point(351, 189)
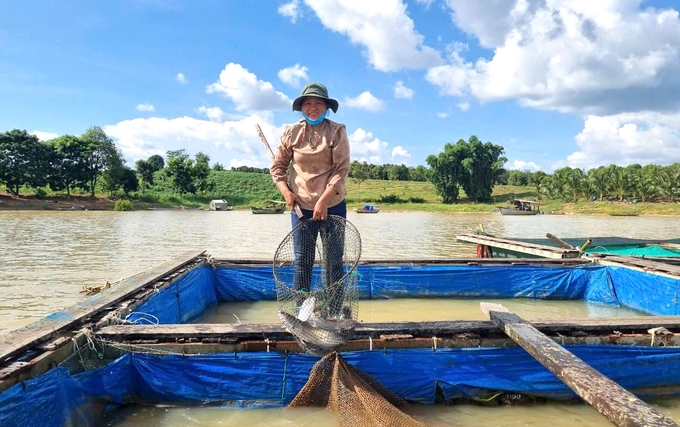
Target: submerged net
point(316, 285)
point(356, 398)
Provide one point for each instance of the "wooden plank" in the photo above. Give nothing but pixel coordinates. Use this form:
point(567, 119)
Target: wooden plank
point(517, 246)
point(617, 404)
point(420, 262)
point(21, 339)
point(642, 264)
point(594, 326)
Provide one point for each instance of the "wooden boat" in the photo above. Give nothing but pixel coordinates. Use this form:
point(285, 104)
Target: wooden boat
point(137, 340)
point(368, 208)
point(666, 251)
point(270, 207)
point(520, 207)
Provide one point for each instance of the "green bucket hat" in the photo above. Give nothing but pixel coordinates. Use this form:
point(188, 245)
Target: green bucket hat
point(318, 90)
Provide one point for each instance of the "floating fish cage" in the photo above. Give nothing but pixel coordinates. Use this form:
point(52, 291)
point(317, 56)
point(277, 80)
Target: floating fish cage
point(138, 342)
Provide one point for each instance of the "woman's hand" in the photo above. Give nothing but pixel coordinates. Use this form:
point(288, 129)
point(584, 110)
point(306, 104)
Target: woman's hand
point(320, 210)
point(291, 198)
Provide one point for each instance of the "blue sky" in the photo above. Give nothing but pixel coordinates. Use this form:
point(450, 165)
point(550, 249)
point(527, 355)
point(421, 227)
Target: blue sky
point(555, 82)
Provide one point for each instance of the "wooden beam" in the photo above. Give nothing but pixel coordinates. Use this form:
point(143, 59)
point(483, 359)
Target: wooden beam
point(640, 264)
point(522, 247)
point(617, 404)
point(228, 262)
point(591, 326)
point(22, 339)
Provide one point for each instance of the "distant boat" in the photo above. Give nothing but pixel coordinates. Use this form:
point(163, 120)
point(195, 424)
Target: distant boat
point(368, 209)
point(269, 207)
point(220, 205)
point(520, 207)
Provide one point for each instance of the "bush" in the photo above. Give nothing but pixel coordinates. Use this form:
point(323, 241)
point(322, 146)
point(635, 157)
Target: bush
point(40, 193)
point(391, 198)
point(416, 200)
point(123, 205)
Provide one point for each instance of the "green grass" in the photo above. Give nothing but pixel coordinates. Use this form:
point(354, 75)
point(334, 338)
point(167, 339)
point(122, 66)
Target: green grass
point(243, 190)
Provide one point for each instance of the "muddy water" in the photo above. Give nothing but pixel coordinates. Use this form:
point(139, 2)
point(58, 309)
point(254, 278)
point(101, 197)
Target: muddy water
point(423, 310)
point(46, 258)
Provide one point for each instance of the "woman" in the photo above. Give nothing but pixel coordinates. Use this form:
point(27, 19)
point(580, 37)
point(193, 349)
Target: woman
point(317, 151)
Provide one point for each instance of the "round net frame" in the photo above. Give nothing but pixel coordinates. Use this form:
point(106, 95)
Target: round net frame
point(316, 283)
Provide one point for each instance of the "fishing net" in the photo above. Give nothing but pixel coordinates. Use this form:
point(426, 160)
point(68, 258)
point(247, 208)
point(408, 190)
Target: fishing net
point(355, 397)
point(316, 283)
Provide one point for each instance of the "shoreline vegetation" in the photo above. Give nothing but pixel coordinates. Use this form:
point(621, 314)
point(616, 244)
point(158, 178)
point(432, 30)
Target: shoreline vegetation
point(391, 196)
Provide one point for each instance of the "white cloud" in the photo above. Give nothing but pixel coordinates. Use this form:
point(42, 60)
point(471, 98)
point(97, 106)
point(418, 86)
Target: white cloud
point(442, 114)
point(596, 57)
point(232, 143)
point(181, 78)
point(383, 28)
point(400, 155)
point(367, 148)
point(623, 139)
point(464, 106)
point(365, 101)
point(425, 3)
point(522, 165)
point(293, 75)
point(145, 107)
point(44, 136)
point(401, 91)
point(290, 10)
point(247, 92)
point(215, 114)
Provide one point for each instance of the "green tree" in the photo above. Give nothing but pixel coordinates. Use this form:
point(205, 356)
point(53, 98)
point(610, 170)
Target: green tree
point(129, 181)
point(179, 169)
point(157, 162)
point(145, 171)
point(482, 165)
point(22, 160)
point(68, 163)
point(446, 171)
point(100, 152)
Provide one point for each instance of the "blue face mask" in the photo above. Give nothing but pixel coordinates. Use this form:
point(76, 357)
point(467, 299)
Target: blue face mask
point(317, 121)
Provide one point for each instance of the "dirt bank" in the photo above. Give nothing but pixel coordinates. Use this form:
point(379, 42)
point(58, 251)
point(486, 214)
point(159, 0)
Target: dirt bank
point(10, 202)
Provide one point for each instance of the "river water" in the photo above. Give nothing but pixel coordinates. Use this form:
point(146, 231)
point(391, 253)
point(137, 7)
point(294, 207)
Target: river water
point(46, 258)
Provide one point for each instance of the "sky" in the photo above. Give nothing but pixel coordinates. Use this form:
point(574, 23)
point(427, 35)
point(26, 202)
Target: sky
point(579, 83)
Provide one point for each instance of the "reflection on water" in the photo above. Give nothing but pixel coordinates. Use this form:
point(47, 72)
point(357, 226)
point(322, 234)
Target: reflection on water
point(541, 415)
point(424, 310)
point(47, 257)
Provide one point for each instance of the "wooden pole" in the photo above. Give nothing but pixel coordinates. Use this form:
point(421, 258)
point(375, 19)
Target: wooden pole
point(267, 148)
point(559, 241)
point(617, 404)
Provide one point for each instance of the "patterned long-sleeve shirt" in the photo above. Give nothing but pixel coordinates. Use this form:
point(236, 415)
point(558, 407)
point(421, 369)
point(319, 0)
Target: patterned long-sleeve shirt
point(318, 158)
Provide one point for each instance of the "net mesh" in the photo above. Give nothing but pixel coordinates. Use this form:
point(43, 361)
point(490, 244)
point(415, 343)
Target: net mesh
point(355, 397)
point(316, 283)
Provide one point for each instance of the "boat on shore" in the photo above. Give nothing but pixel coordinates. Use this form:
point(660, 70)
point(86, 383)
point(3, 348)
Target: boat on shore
point(134, 342)
point(520, 207)
point(368, 208)
point(664, 251)
point(269, 207)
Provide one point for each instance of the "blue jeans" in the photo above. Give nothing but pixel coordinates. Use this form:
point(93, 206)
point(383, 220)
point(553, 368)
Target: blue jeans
point(304, 247)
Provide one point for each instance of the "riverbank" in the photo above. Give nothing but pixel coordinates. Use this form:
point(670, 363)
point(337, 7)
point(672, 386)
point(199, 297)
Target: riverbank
point(612, 208)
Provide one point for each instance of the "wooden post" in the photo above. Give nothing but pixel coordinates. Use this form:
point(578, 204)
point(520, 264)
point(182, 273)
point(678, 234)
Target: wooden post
point(559, 241)
point(620, 406)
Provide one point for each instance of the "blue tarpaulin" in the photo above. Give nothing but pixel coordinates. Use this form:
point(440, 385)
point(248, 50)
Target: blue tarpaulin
point(60, 398)
point(272, 379)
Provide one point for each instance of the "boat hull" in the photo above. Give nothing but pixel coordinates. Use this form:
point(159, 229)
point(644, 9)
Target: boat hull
point(506, 211)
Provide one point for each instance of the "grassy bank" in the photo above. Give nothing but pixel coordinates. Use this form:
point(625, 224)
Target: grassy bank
point(243, 190)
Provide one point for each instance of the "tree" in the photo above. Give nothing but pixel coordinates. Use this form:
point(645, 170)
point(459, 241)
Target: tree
point(446, 171)
point(100, 153)
point(145, 171)
point(22, 160)
point(180, 171)
point(481, 167)
point(218, 166)
point(68, 163)
point(157, 162)
point(129, 181)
